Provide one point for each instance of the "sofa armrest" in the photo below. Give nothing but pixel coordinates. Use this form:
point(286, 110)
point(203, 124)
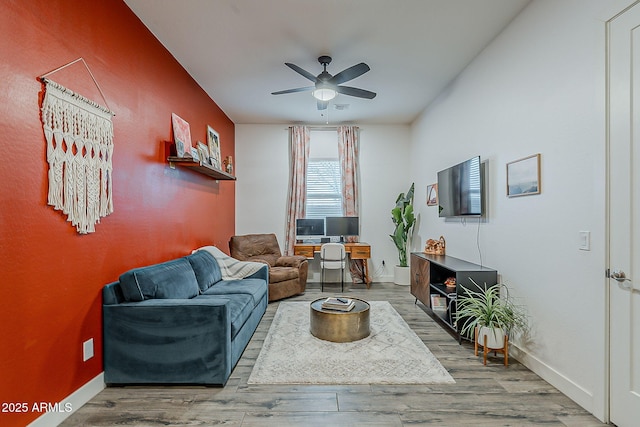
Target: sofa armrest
point(112, 294)
point(167, 341)
point(291, 261)
point(263, 274)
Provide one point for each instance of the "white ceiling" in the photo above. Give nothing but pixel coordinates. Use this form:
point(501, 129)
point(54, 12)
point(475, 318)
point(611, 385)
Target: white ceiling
point(236, 50)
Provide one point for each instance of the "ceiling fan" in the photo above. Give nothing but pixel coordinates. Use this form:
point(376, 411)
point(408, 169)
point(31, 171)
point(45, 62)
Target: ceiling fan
point(327, 86)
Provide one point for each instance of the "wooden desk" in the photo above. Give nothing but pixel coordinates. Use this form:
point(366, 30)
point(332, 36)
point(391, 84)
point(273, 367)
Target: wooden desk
point(354, 250)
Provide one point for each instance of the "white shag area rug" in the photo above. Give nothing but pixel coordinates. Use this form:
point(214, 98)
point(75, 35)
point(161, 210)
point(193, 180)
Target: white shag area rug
point(392, 354)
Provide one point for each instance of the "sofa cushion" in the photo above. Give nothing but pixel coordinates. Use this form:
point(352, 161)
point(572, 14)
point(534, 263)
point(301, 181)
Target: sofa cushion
point(206, 269)
point(256, 288)
point(240, 308)
point(171, 279)
point(281, 274)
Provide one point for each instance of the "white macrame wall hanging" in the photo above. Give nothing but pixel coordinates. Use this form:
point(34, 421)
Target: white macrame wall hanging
point(79, 135)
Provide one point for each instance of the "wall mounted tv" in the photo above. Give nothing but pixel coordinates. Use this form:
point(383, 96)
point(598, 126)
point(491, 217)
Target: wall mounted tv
point(460, 189)
point(309, 227)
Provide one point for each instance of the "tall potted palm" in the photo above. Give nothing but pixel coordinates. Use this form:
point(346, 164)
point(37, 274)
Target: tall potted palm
point(404, 220)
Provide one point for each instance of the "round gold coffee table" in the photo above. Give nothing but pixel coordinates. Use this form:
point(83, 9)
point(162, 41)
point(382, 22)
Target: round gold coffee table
point(340, 326)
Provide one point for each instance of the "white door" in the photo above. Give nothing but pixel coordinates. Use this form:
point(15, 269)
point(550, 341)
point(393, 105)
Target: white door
point(624, 217)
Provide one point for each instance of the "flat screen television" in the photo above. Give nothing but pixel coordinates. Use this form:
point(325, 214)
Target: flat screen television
point(309, 227)
point(342, 226)
point(460, 190)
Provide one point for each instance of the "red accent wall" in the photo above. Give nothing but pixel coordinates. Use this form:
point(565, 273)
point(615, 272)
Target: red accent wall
point(51, 277)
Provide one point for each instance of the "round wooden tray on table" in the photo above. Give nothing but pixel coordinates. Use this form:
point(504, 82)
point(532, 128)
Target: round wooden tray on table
point(340, 326)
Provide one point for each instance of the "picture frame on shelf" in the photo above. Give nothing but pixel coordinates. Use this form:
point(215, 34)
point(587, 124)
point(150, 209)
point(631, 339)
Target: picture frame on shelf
point(523, 176)
point(203, 151)
point(432, 195)
point(181, 135)
point(194, 154)
point(213, 141)
point(180, 148)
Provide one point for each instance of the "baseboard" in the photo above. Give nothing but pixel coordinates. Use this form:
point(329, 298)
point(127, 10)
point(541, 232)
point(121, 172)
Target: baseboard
point(384, 278)
point(72, 403)
point(569, 388)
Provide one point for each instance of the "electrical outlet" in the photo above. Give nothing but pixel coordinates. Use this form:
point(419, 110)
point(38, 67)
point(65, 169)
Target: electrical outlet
point(87, 350)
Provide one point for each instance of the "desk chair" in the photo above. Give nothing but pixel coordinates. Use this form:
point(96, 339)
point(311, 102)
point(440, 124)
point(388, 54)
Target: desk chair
point(332, 257)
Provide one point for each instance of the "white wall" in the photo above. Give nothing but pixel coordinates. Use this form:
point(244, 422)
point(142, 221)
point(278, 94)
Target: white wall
point(262, 169)
point(538, 88)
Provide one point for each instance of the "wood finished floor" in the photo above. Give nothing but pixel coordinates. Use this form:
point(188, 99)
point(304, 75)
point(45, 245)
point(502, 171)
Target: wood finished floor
point(489, 395)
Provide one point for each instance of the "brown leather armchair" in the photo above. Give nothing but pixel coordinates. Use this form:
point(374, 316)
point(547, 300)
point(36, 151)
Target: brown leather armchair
point(287, 274)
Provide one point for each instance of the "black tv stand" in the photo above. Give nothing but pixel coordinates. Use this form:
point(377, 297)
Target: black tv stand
point(428, 274)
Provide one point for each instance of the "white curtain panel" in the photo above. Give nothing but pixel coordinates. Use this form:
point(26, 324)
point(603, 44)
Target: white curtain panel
point(299, 137)
point(348, 152)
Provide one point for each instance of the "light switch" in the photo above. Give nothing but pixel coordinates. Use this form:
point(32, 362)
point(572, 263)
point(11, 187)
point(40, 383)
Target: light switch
point(585, 241)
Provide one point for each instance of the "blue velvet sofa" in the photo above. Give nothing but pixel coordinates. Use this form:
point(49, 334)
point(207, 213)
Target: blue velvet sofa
point(179, 322)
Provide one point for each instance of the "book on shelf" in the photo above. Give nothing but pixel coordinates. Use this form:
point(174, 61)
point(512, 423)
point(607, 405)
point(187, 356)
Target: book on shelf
point(340, 304)
point(438, 302)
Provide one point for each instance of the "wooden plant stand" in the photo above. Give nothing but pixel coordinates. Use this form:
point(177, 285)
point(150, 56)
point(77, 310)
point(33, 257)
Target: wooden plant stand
point(486, 350)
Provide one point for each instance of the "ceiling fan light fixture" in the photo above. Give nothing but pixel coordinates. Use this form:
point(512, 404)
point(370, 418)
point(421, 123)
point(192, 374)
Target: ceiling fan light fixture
point(327, 87)
point(324, 94)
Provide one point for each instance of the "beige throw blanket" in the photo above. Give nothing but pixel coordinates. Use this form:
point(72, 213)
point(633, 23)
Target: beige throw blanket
point(232, 268)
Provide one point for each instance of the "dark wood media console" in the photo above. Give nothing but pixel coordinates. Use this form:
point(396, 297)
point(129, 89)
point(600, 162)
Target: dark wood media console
point(428, 276)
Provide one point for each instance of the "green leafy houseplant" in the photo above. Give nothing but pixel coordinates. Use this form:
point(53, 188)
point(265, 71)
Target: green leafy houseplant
point(403, 219)
point(485, 307)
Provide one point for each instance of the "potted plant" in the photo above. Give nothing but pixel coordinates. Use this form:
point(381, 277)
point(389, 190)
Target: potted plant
point(486, 314)
point(404, 220)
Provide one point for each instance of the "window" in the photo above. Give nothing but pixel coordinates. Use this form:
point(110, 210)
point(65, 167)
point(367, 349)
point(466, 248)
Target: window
point(324, 190)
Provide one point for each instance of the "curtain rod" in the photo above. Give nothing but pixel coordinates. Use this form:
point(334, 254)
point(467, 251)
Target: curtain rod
point(324, 127)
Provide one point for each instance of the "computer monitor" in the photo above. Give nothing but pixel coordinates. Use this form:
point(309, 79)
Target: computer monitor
point(309, 227)
point(342, 226)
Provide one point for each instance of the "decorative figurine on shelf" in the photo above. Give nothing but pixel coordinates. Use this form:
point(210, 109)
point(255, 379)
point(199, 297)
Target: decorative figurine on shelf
point(450, 282)
point(228, 165)
point(435, 247)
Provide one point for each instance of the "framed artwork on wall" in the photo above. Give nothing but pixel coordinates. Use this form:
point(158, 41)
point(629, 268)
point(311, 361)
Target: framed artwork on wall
point(194, 154)
point(523, 176)
point(213, 140)
point(181, 136)
point(432, 195)
point(203, 151)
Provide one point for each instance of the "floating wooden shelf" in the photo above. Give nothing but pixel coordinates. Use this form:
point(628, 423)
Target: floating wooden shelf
point(200, 167)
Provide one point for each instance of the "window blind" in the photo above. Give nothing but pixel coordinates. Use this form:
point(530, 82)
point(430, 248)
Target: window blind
point(324, 190)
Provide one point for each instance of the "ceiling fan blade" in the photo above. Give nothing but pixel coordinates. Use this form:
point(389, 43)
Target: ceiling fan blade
point(322, 105)
point(354, 91)
point(302, 72)
point(300, 89)
point(350, 73)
